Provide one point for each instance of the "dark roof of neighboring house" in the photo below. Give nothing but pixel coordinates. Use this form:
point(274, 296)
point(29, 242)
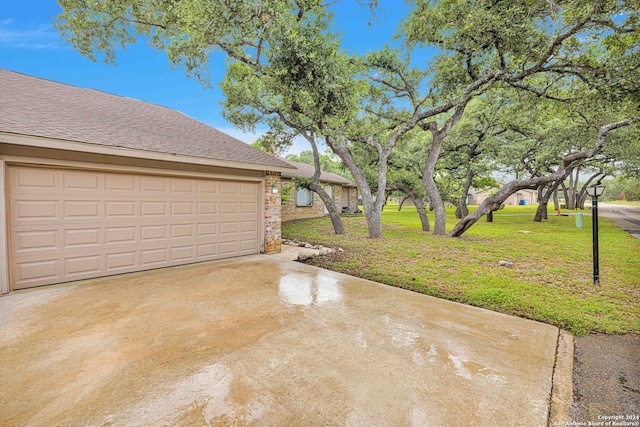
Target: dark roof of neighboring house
point(37, 107)
point(306, 171)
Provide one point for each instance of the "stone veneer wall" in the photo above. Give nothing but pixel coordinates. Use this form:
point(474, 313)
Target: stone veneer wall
point(272, 214)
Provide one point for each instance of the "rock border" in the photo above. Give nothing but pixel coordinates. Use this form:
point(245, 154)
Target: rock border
point(305, 255)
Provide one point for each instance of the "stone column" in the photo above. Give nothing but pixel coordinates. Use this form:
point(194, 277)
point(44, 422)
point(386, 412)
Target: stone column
point(272, 214)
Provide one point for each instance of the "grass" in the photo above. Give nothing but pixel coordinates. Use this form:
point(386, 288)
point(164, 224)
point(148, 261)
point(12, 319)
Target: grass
point(551, 280)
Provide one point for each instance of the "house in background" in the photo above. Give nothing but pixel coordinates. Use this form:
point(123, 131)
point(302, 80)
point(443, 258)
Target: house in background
point(521, 197)
point(304, 204)
point(95, 184)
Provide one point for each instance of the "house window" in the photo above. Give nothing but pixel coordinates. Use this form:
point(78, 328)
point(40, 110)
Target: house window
point(304, 197)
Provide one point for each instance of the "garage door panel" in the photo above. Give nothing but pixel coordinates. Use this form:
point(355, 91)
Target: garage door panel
point(182, 208)
point(207, 229)
point(29, 240)
point(228, 187)
point(210, 187)
point(82, 265)
point(229, 248)
point(121, 208)
point(75, 224)
point(120, 235)
point(81, 237)
point(248, 208)
point(179, 231)
point(228, 228)
point(229, 208)
point(249, 227)
point(81, 182)
point(28, 211)
point(81, 209)
point(206, 208)
point(248, 245)
point(120, 260)
point(153, 184)
point(121, 183)
point(182, 253)
point(41, 179)
point(155, 208)
point(33, 273)
point(248, 189)
point(207, 250)
point(153, 232)
point(154, 257)
point(182, 185)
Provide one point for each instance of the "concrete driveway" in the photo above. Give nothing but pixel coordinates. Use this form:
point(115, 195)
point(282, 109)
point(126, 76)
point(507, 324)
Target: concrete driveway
point(262, 340)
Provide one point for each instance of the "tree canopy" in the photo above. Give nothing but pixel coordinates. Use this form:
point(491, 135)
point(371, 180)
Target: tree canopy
point(573, 65)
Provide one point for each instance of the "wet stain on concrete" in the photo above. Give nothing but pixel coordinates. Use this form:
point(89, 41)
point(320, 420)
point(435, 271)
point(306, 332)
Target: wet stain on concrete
point(262, 341)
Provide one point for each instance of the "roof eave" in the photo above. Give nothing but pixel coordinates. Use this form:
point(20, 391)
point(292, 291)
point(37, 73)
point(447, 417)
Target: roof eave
point(86, 147)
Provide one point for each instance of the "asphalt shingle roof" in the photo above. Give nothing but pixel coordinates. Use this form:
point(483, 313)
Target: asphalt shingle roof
point(38, 107)
point(306, 171)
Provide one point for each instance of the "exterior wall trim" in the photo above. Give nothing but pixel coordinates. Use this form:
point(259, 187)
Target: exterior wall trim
point(4, 259)
point(85, 147)
point(103, 167)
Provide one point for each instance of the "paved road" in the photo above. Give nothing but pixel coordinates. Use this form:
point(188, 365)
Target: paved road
point(627, 217)
point(606, 374)
point(606, 378)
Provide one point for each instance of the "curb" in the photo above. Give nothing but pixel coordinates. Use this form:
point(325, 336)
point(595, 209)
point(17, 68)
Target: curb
point(562, 383)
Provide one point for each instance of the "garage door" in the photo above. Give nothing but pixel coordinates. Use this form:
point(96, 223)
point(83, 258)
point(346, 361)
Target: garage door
point(73, 224)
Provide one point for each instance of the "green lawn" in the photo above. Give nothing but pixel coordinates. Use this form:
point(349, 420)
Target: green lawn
point(551, 280)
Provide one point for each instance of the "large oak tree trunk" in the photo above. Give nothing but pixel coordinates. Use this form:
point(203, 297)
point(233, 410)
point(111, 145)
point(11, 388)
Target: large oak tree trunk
point(462, 209)
point(372, 208)
point(435, 199)
point(419, 203)
point(493, 202)
point(544, 196)
point(541, 212)
point(334, 214)
point(404, 199)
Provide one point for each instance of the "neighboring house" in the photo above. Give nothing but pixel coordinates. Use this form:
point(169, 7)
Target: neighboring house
point(303, 204)
point(521, 197)
point(96, 184)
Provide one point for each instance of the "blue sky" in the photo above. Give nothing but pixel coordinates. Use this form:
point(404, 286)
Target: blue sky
point(30, 45)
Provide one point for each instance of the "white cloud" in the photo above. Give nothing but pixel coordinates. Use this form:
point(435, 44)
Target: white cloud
point(34, 37)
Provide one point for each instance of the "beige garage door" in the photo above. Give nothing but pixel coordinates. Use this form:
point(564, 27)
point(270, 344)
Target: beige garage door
point(72, 224)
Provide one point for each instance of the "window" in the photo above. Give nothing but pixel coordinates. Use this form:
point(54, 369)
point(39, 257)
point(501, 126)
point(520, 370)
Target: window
point(304, 197)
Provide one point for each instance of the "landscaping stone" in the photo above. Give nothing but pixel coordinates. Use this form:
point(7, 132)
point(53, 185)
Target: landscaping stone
point(505, 264)
point(303, 256)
